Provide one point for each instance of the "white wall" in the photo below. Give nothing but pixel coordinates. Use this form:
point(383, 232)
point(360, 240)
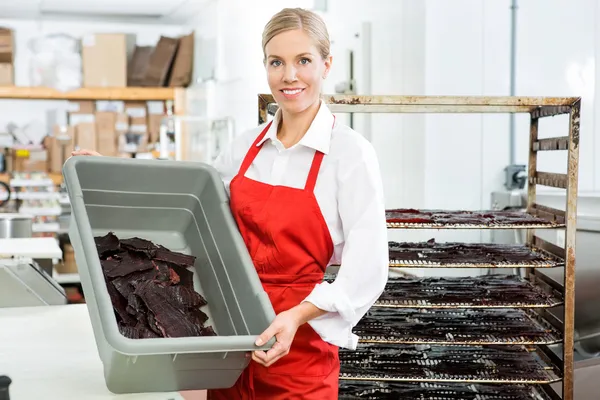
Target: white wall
point(26, 112)
point(439, 47)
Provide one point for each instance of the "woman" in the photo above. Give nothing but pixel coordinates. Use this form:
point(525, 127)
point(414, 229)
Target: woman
point(306, 192)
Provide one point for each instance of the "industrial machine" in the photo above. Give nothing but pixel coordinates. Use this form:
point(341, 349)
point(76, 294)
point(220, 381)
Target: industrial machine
point(23, 281)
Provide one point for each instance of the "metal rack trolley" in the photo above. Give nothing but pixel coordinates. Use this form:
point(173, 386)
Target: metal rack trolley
point(554, 256)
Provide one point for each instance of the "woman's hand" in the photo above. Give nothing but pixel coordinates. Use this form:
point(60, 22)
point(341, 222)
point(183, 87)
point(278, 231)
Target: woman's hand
point(284, 328)
point(84, 152)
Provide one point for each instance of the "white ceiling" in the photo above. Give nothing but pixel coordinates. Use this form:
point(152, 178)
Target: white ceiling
point(159, 11)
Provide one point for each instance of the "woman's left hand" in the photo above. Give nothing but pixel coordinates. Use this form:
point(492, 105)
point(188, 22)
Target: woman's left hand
point(283, 328)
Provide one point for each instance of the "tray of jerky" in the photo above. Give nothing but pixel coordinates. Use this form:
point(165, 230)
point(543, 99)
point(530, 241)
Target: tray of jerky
point(365, 390)
point(488, 291)
point(435, 363)
point(455, 326)
point(431, 254)
point(449, 219)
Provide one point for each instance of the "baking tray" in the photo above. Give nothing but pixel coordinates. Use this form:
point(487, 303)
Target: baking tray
point(455, 327)
point(488, 291)
point(367, 390)
point(432, 363)
point(457, 219)
point(469, 255)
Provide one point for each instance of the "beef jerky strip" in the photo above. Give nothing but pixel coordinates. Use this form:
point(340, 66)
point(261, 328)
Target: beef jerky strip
point(171, 257)
point(130, 262)
point(119, 304)
point(182, 296)
point(126, 284)
point(137, 332)
point(172, 321)
point(164, 273)
point(107, 245)
point(138, 245)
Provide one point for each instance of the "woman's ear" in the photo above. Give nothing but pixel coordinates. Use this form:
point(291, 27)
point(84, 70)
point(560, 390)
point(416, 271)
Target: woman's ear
point(328, 62)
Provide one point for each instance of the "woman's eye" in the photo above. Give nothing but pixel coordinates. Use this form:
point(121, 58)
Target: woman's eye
point(304, 61)
point(276, 63)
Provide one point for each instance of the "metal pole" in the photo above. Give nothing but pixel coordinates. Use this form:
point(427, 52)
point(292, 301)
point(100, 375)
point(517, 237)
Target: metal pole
point(513, 67)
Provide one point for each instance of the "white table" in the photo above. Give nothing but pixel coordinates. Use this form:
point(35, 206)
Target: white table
point(49, 352)
point(36, 248)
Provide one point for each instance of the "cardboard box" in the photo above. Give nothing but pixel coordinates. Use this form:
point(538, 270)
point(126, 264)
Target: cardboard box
point(105, 59)
point(68, 266)
point(59, 147)
point(121, 124)
point(7, 48)
point(86, 136)
point(161, 61)
point(138, 65)
point(181, 75)
point(105, 129)
point(81, 107)
point(7, 77)
point(154, 121)
point(29, 160)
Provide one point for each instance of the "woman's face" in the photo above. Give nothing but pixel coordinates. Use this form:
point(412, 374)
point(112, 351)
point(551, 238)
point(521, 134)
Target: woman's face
point(295, 70)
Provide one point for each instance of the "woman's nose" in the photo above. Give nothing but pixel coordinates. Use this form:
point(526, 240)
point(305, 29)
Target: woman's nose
point(290, 74)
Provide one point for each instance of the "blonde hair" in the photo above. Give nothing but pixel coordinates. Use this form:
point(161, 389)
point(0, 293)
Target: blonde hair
point(297, 18)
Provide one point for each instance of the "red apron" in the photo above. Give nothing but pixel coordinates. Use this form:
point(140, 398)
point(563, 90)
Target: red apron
point(290, 245)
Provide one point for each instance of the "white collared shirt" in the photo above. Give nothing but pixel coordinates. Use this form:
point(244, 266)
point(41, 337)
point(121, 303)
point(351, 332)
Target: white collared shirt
point(349, 192)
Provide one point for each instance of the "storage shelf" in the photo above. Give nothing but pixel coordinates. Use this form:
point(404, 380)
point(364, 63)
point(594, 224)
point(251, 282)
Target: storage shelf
point(55, 179)
point(489, 291)
point(109, 93)
point(469, 255)
point(474, 364)
point(459, 219)
point(455, 327)
point(360, 390)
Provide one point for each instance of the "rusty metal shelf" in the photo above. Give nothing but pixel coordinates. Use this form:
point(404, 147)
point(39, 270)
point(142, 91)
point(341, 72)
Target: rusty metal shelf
point(425, 363)
point(489, 291)
point(455, 327)
point(454, 219)
point(366, 390)
point(469, 255)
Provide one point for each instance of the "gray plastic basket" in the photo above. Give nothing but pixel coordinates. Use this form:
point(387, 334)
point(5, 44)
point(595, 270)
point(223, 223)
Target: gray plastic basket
point(182, 206)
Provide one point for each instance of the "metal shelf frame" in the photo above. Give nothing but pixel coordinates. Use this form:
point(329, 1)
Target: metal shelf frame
point(537, 108)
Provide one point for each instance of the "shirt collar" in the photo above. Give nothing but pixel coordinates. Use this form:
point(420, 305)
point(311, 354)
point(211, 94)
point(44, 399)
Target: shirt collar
point(317, 137)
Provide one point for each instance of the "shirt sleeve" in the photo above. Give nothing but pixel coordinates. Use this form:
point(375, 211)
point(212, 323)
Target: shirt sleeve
point(364, 263)
point(225, 166)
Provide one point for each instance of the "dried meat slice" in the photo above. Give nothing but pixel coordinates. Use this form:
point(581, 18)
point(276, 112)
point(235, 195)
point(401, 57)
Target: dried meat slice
point(119, 304)
point(186, 277)
point(110, 267)
point(139, 245)
point(165, 274)
point(107, 245)
point(181, 296)
point(130, 262)
point(126, 284)
point(172, 257)
point(171, 320)
point(198, 317)
point(137, 332)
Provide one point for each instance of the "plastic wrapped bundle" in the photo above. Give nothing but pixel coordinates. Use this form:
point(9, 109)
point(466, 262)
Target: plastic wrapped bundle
point(55, 62)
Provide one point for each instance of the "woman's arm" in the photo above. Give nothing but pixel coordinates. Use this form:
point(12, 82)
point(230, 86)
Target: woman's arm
point(365, 257)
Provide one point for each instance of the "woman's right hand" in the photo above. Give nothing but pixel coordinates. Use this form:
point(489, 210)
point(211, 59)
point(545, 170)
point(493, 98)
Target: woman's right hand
point(85, 152)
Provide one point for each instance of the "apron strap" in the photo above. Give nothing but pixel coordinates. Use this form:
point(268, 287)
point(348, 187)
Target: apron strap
point(253, 151)
point(311, 180)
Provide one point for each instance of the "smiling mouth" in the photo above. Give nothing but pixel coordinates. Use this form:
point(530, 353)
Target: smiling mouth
point(291, 92)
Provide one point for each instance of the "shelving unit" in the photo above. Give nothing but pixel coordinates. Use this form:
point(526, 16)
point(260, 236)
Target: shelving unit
point(177, 96)
point(406, 351)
